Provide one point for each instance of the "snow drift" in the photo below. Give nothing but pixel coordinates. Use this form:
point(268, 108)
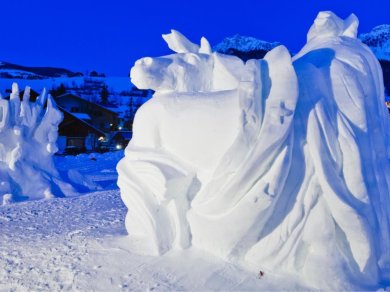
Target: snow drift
point(28, 135)
point(279, 164)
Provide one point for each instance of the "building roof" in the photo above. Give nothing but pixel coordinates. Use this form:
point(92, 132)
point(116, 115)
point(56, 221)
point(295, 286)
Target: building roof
point(82, 116)
point(93, 128)
point(112, 110)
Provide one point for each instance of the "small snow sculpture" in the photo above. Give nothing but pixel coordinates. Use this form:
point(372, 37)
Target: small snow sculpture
point(28, 137)
point(277, 163)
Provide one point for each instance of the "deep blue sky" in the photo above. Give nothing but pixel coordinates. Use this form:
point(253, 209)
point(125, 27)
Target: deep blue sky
point(108, 36)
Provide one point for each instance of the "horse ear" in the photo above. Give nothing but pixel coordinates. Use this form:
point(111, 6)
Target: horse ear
point(205, 47)
point(351, 24)
point(179, 43)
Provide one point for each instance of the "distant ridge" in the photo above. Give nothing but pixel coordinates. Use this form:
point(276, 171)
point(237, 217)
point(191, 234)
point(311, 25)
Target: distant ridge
point(13, 70)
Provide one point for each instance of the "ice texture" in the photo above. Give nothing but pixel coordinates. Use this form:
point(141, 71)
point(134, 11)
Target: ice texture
point(278, 164)
point(28, 135)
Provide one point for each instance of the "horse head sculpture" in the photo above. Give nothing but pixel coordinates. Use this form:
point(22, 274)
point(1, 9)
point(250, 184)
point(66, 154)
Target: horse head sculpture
point(192, 68)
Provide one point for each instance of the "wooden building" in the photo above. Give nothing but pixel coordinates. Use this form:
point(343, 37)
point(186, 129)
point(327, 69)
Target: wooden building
point(121, 138)
point(78, 134)
point(101, 117)
point(86, 126)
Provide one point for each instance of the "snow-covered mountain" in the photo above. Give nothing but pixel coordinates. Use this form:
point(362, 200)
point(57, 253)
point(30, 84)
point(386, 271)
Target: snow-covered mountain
point(9, 70)
point(378, 39)
point(245, 47)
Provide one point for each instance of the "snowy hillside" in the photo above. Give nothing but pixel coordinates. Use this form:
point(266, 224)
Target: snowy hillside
point(39, 78)
point(118, 84)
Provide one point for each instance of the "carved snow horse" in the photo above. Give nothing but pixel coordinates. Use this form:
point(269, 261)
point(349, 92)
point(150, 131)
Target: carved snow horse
point(282, 164)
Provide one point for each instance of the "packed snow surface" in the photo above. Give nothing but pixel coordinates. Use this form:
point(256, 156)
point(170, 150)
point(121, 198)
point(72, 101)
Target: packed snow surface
point(278, 164)
point(80, 244)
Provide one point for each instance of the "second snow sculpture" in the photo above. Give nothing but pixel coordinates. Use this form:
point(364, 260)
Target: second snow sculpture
point(28, 136)
point(277, 163)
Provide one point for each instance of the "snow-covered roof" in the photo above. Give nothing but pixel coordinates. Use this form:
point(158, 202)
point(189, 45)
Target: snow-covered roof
point(81, 120)
point(111, 109)
point(82, 116)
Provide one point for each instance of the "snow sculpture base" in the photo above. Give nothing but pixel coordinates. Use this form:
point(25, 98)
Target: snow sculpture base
point(279, 164)
point(28, 136)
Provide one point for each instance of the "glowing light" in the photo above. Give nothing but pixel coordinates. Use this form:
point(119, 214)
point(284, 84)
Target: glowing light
point(118, 146)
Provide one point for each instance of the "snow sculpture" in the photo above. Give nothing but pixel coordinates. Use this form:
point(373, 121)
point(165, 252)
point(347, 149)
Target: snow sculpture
point(27, 142)
point(277, 163)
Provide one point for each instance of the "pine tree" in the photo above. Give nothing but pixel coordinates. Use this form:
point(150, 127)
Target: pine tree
point(104, 93)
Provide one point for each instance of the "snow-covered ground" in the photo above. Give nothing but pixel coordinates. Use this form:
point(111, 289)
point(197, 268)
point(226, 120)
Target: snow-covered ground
point(80, 243)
